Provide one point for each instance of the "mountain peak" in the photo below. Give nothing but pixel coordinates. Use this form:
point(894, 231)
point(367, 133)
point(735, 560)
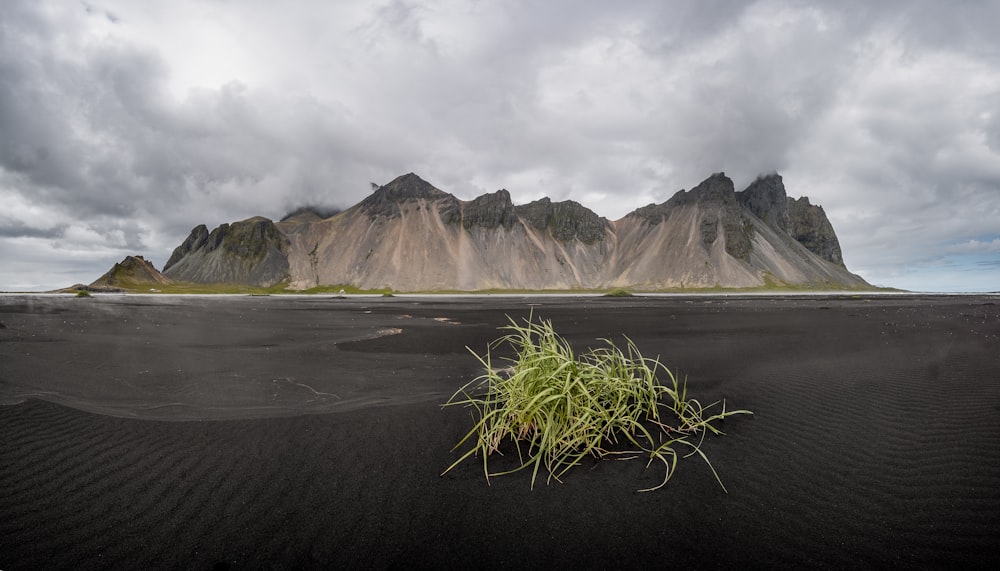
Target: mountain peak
point(386, 198)
point(716, 188)
point(766, 198)
point(131, 272)
point(409, 186)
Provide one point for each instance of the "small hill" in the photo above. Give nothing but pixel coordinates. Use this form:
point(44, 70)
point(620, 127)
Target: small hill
point(131, 273)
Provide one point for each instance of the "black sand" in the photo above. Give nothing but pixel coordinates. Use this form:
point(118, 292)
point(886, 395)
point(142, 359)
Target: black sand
point(144, 432)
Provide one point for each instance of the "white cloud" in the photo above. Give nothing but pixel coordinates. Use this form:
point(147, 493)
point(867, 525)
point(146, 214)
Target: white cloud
point(976, 247)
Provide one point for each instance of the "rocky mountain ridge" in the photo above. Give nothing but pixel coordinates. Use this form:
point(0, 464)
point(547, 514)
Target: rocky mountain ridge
point(411, 236)
point(251, 251)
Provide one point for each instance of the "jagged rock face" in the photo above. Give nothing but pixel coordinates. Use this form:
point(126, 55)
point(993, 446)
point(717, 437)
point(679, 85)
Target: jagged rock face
point(809, 225)
point(195, 240)
point(805, 223)
point(766, 199)
point(653, 214)
point(716, 189)
point(131, 272)
point(567, 220)
point(489, 211)
point(716, 198)
point(411, 236)
point(388, 199)
point(250, 252)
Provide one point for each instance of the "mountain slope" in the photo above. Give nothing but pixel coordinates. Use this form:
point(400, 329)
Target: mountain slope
point(252, 252)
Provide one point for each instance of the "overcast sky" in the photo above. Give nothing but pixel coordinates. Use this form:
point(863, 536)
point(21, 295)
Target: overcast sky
point(124, 124)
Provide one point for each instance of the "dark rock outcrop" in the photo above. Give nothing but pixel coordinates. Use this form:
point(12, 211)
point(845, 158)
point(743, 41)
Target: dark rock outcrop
point(766, 199)
point(387, 199)
point(809, 225)
point(195, 241)
point(250, 252)
point(802, 221)
point(653, 214)
point(566, 220)
point(716, 197)
point(721, 211)
point(450, 210)
point(717, 189)
point(489, 211)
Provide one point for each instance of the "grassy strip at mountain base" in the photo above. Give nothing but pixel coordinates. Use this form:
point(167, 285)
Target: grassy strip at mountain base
point(631, 292)
point(343, 289)
point(771, 285)
point(195, 288)
point(619, 292)
point(223, 288)
point(202, 289)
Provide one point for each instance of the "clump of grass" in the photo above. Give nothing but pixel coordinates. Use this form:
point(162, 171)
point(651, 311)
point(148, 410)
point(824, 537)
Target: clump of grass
point(82, 293)
point(557, 409)
point(619, 292)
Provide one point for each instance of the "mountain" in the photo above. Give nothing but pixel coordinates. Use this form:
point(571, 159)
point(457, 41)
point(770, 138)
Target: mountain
point(130, 273)
point(252, 252)
point(804, 222)
point(411, 236)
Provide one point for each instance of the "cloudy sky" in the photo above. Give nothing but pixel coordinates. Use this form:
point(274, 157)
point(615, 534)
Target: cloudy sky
point(124, 124)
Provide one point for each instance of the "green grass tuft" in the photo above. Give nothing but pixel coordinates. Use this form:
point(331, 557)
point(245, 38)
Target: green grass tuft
point(557, 409)
point(82, 293)
point(342, 289)
point(619, 292)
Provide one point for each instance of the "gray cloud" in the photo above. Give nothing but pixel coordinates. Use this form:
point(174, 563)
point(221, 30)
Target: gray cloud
point(125, 125)
point(17, 229)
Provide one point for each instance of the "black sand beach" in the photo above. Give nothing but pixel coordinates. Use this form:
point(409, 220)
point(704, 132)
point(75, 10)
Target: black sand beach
point(306, 432)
